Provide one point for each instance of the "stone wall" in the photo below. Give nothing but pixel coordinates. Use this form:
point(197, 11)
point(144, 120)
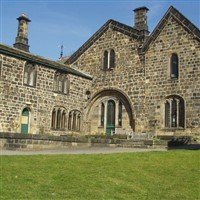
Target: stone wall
point(127, 77)
point(15, 96)
point(174, 38)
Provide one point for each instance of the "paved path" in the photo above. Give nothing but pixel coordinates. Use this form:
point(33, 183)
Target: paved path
point(91, 150)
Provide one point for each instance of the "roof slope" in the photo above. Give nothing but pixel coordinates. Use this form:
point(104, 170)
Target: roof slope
point(117, 26)
point(181, 19)
point(4, 49)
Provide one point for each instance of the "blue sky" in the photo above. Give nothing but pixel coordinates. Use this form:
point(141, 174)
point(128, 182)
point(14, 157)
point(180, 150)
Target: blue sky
point(74, 22)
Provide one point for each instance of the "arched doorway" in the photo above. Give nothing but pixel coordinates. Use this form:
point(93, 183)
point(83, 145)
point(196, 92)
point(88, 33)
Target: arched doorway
point(25, 121)
point(109, 111)
point(110, 125)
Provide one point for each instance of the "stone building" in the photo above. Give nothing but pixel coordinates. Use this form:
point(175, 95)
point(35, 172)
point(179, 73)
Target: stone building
point(123, 79)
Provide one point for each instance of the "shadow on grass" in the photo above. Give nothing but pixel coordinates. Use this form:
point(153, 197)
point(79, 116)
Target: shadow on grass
point(186, 147)
point(182, 143)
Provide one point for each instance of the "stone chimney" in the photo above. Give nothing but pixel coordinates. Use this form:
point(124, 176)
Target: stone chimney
point(21, 41)
point(141, 20)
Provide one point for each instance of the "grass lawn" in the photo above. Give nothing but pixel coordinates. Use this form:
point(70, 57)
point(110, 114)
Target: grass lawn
point(171, 175)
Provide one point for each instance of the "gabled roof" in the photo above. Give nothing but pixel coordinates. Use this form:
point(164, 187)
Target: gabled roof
point(181, 19)
point(117, 26)
point(7, 50)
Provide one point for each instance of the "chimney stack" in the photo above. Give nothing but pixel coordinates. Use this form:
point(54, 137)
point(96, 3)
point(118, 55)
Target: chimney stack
point(21, 41)
point(141, 20)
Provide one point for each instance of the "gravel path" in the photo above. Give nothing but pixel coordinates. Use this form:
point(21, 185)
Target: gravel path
point(91, 150)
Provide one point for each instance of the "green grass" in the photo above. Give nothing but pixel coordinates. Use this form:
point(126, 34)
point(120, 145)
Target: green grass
point(170, 175)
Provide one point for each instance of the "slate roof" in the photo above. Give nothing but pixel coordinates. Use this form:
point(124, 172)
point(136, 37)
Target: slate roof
point(181, 19)
point(10, 51)
point(117, 26)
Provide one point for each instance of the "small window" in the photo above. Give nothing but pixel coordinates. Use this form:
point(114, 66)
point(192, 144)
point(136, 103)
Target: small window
point(105, 60)
point(174, 68)
point(112, 59)
point(30, 74)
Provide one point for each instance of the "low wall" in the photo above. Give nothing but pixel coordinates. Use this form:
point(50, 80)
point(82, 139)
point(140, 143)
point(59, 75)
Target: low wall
point(16, 141)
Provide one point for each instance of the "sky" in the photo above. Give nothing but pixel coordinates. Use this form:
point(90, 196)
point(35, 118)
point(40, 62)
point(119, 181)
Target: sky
point(73, 22)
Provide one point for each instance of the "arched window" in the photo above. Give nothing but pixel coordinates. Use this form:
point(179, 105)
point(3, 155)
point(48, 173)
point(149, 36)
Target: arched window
point(66, 83)
point(53, 119)
point(105, 60)
point(63, 120)
point(61, 83)
point(174, 66)
point(70, 121)
point(74, 120)
point(58, 120)
point(167, 114)
point(30, 74)
point(109, 59)
point(78, 122)
point(112, 59)
point(174, 112)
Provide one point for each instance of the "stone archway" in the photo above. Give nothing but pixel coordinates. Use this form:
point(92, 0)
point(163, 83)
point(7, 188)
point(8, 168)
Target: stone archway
point(109, 111)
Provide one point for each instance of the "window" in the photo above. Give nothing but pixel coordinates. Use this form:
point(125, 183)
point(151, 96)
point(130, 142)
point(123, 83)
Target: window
point(74, 121)
point(30, 74)
point(109, 59)
point(112, 59)
point(58, 120)
point(174, 112)
point(105, 60)
point(61, 83)
point(174, 68)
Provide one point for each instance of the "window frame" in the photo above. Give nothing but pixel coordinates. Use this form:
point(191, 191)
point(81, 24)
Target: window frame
point(30, 74)
point(109, 59)
point(174, 112)
point(59, 118)
point(174, 66)
point(61, 83)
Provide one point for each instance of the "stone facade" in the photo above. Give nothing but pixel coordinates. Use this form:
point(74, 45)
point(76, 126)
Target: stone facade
point(39, 100)
point(121, 81)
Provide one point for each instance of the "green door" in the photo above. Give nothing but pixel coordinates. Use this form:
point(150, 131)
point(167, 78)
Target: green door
point(25, 121)
point(110, 117)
